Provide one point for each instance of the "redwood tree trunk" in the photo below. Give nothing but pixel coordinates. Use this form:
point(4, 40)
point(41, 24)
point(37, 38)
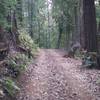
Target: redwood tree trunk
point(89, 28)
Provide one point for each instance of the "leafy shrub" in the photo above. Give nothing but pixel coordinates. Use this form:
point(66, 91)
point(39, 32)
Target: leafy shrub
point(17, 63)
point(10, 86)
point(19, 58)
point(27, 42)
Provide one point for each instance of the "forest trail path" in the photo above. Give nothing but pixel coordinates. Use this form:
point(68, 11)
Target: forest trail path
point(54, 78)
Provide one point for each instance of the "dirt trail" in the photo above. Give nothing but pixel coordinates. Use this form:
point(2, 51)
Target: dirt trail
point(54, 78)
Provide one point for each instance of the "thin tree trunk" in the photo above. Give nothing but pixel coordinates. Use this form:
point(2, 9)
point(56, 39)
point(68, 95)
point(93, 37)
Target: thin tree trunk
point(59, 37)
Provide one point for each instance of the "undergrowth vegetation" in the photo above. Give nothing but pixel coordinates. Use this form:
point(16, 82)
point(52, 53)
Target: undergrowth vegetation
point(90, 59)
point(9, 86)
point(27, 43)
point(16, 63)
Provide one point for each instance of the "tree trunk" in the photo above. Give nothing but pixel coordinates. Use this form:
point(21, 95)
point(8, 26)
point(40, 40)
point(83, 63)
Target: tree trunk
point(59, 37)
point(99, 28)
point(88, 27)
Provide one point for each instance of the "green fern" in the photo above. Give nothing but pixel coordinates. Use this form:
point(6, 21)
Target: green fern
point(27, 42)
point(10, 86)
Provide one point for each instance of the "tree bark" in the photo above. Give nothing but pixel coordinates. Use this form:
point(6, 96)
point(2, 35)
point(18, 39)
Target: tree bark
point(88, 27)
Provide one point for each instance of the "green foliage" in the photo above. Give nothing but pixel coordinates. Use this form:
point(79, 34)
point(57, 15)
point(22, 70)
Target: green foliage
point(64, 16)
point(2, 12)
point(98, 13)
point(17, 63)
point(27, 42)
point(10, 86)
point(19, 58)
point(5, 7)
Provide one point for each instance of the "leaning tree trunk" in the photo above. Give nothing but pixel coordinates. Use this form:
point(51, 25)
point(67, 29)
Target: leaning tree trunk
point(88, 26)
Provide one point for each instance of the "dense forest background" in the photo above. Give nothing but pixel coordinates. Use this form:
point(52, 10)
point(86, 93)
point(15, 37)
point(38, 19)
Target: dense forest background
point(27, 25)
point(51, 23)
